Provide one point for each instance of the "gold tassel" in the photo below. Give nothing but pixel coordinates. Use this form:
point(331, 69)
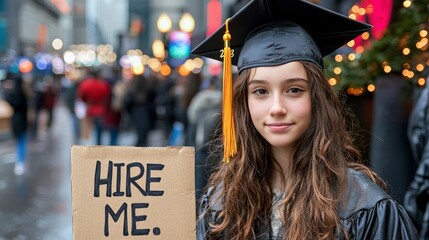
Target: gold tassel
point(230, 145)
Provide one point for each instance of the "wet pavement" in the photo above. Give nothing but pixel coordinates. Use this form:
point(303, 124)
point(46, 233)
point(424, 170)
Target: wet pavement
point(37, 205)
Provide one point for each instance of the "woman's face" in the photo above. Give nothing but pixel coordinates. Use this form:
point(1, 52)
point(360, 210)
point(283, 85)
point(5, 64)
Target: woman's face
point(279, 103)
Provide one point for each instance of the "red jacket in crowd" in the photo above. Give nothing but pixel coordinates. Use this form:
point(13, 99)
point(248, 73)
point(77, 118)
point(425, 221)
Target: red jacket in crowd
point(95, 93)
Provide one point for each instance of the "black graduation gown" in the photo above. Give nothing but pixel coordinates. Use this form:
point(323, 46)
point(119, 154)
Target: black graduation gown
point(416, 199)
point(369, 213)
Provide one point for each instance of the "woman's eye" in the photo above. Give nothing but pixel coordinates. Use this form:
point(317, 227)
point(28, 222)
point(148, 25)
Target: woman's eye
point(260, 91)
point(295, 90)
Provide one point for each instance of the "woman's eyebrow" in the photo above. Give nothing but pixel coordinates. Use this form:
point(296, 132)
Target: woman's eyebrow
point(256, 81)
point(289, 80)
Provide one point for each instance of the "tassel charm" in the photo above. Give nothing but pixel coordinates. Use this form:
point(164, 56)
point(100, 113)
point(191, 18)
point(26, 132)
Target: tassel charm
point(230, 145)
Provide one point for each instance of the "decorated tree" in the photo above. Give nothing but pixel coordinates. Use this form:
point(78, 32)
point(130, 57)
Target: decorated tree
point(402, 49)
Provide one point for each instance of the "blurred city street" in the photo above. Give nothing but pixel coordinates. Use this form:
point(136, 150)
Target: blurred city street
point(97, 72)
point(37, 205)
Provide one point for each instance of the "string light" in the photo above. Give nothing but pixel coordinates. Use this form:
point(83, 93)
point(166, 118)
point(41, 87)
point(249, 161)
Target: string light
point(387, 69)
point(406, 51)
point(332, 81)
point(371, 88)
point(351, 43)
point(355, 91)
point(338, 58)
point(410, 70)
point(360, 49)
point(407, 3)
point(337, 70)
point(419, 45)
point(420, 67)
point(407, 73)
point(422, 43)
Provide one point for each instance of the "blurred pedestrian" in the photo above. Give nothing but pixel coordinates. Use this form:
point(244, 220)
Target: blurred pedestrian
point(416, 200)
point(36, 104)
point(18, 99)
point(115, 107)
point(94, 91)
point(49, 98)
point(202, 111)
point(191, 87)
point(204, 114)
point(164, 102)
point(176, 136)
point(139, 102)
point(70, 99)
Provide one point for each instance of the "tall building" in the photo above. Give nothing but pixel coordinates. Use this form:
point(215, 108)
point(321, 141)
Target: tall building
point(99, 21)
point(140, 25)
point(29, 26)
point(79, 21)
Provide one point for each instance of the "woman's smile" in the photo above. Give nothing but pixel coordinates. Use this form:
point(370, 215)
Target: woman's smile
point(278, 127)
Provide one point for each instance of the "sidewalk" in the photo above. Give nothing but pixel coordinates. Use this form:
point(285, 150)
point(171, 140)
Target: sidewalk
point(37, 205)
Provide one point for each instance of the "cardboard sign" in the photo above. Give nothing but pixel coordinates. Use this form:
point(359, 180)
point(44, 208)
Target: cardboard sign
point(123, 192)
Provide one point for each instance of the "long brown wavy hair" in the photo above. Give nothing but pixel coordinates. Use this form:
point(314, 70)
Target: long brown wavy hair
point(317, 178)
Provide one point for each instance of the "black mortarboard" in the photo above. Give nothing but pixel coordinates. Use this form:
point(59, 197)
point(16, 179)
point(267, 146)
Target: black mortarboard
point(270, 32)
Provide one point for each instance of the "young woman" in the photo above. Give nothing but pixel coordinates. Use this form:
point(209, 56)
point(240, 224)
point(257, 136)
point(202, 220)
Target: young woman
point(295, 173)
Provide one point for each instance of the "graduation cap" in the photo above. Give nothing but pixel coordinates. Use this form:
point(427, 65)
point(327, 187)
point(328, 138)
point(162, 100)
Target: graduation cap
point(271, 33)
point(329, 31)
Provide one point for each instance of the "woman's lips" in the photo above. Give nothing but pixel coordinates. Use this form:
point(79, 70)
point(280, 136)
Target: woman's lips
point(278, 127)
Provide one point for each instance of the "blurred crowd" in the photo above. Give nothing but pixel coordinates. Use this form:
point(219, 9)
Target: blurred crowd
point(110, 101)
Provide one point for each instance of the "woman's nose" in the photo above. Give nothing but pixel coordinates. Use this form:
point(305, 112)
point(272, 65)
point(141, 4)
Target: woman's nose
point(278, 106)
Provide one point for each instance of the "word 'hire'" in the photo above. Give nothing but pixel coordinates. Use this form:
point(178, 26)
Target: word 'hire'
point(129, 180)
